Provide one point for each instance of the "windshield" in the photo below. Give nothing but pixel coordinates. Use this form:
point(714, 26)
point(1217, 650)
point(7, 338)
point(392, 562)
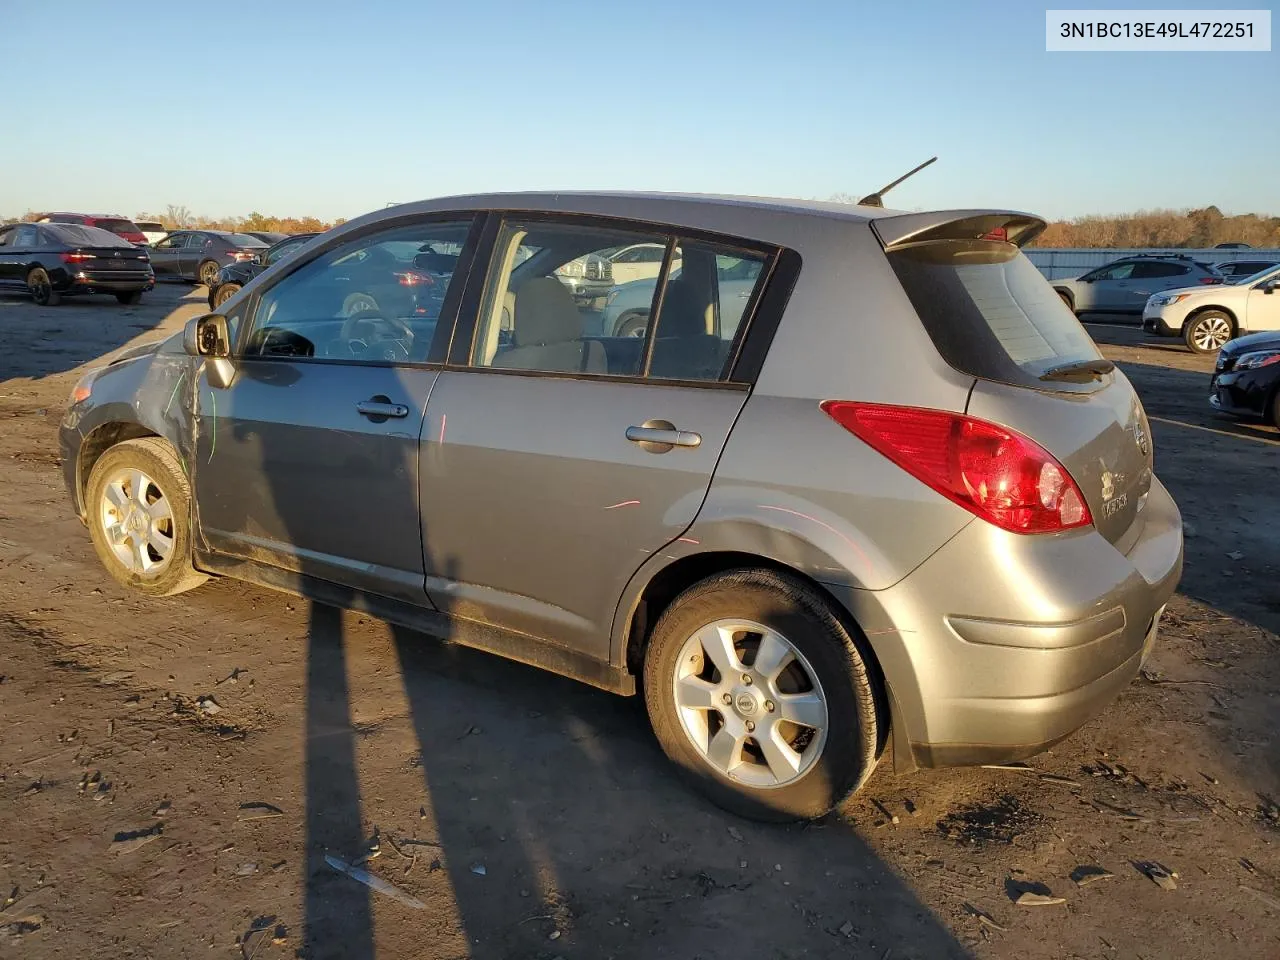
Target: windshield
point(1265, 273)
point(150, 226)
point(989, 311)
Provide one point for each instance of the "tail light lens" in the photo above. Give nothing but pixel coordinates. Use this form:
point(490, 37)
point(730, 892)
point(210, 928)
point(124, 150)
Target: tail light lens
point(411, 279)
point(1210, 280)
point(1001, 476)
point(76, 257)
point(240, 256)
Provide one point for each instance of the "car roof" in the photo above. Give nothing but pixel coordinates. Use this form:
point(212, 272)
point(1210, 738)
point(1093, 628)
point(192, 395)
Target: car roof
point(769, 219)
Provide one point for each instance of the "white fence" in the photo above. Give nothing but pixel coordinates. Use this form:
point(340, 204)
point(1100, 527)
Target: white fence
point(1063, 262)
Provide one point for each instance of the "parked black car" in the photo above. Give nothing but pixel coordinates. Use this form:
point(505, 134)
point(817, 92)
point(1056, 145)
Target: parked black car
point(234, 276)
point(55, 260)
point(1246, 378)
point(267, 236)
point(1243, 268)
point(199, 254)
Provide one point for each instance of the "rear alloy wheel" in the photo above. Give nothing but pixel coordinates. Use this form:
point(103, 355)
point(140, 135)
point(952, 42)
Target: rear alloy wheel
point(763, 698)
point(208, 273)
point(41, 288)
point(138, 505)
point(131, 298)
point(224, 293)
point(1206, 332)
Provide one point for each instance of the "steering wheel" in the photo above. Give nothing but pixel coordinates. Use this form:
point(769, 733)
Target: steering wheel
point(364, 327)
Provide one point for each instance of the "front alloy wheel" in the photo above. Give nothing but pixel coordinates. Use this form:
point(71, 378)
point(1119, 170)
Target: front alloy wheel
point(1207, 332)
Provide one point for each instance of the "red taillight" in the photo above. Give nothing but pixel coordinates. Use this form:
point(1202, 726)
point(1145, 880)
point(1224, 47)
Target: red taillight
point(411, 279)
point(76, 257)
point(999, 233)
point(1211, 280)
point(999, 475)
point(240, 256)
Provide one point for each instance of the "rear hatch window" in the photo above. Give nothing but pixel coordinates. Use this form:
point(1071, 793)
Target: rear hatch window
point(116, 225)
point(990, 312)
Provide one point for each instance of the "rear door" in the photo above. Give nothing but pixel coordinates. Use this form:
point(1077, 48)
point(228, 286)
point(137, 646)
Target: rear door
point(554, 464)
point(993, 316)
point(198, 248)
point(1154, 276)
point(309, 460)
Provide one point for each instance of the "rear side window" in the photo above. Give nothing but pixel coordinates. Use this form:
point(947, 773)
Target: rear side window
point(1157, 268)
point(989, 311)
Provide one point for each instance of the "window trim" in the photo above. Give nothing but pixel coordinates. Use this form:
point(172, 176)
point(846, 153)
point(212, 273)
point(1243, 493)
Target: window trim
point(436, 350)
point(732, 374)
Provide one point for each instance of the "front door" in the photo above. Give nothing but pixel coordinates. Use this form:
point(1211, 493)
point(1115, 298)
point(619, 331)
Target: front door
point(1262, 310)
point(165, 254)
point(309, 460)
point(555, 464)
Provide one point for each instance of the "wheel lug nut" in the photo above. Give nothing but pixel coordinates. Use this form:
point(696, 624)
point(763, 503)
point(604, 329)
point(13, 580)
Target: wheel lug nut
point(728, 698)
point(769, 705)
point(746, 678)
point(751, 726)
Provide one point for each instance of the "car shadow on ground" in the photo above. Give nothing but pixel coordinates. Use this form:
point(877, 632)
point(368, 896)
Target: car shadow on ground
point(572, 835)
point(83, 329)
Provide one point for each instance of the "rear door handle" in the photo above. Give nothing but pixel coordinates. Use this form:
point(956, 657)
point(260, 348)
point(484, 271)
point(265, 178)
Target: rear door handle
point(381, 408)
point(659, 436)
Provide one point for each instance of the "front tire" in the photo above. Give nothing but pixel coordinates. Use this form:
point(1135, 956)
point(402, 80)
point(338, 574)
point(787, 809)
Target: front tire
point(762, 697)
point(208, 273)
point(41, 288)
point(130, 299)
point(138, 503)
point(1207, 331)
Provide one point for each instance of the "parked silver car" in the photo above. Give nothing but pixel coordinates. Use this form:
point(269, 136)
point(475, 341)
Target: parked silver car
point(1123, 286)
point(904, 506)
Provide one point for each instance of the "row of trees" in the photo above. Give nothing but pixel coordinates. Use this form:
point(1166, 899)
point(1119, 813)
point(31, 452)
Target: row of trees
point(1163, 228)
point(180, 218)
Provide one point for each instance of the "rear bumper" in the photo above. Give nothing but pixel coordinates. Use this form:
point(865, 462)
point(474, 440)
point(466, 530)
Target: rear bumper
point(98, 283)
point(1000, 645)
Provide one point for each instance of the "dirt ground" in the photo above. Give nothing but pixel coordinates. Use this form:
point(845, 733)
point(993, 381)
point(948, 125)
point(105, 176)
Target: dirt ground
point(530, 817)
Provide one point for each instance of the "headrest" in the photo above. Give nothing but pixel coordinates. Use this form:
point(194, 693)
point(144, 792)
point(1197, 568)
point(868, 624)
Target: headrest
point(545, 313)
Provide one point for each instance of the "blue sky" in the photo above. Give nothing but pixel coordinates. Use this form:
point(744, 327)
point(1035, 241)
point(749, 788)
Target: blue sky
point(332, 109)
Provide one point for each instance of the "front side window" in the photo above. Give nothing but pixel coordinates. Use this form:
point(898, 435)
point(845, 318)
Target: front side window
point(172, 242)
point(1116, 271)
point(375, 299)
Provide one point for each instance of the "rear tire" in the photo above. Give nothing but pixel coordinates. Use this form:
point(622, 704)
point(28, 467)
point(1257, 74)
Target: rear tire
point(41, 288)
point(130, 299)
point(138, 504)
point(1207, 331)
point(208, 273)
point(1067, 299)
point(223, 294)
point(825, 668)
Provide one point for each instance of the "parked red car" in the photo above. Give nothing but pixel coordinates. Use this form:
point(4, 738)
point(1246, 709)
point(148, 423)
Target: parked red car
point(120, 226)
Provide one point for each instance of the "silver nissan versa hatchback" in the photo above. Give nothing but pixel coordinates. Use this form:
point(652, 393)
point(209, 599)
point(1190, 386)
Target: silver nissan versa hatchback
point(900, 504)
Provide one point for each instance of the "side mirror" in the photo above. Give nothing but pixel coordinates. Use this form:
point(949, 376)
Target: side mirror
point(1269, 287)
point(208, 337)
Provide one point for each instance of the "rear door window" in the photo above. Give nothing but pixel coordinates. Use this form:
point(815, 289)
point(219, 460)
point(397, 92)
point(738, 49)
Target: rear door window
point(989, 311)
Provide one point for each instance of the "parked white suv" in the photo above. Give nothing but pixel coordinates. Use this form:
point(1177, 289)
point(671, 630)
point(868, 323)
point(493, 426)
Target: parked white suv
point(1207, 317)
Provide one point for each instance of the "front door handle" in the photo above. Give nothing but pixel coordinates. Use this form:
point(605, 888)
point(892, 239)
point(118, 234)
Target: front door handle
point(380, 408)
point(659, 436)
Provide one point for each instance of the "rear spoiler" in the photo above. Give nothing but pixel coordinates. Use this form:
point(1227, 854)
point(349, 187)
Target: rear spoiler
point(910, 228)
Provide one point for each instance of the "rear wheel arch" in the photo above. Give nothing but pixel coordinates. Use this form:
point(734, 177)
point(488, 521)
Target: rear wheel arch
point(1067, 296)
point(676, 577)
